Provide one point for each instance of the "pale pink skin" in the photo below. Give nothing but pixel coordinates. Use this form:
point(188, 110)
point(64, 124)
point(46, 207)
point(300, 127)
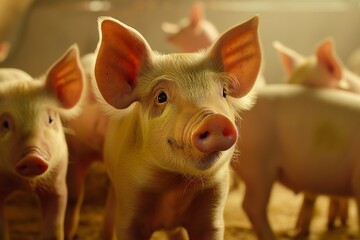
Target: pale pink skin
point(85, 142)
point(325, 70)
point(33, 147)
point(353, 61)
point(168, 154)
point(290, 134)
point(192, 33)
point(4, 50)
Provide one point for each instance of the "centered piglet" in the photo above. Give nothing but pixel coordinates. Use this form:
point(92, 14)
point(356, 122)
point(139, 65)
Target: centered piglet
point(168, 152)
point(33, 150)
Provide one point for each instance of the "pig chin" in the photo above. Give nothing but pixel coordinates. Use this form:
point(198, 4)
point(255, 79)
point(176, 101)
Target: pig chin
point(207, 161)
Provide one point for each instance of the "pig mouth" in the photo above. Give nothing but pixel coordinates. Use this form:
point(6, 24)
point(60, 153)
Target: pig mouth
point(208, 160)
point(202, 161)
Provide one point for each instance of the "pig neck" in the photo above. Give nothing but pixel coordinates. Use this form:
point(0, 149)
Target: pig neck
point(174, 198)
point(166, 181)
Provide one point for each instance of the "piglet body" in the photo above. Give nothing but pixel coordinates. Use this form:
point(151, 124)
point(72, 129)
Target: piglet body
point(308, 141)
point(33, 148)
point(324, 69)
point(172, 135)
point(85, 141)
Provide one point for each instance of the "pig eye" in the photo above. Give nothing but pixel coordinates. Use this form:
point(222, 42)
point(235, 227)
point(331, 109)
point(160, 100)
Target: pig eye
point(161, 97)
point(50, 120)
point(5, 124)
point(224, 92)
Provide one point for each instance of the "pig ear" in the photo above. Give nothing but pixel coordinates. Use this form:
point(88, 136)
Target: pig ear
point(289, 58)
point(4, 50)
point(66, 78)
point(237, 52)
point(196, 14)
point(121, 55)
point(170, 28)
point(327, 58)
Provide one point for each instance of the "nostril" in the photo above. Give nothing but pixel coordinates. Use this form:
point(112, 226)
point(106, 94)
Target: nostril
point(228, 132)
point(215, 133)
point(204, 135)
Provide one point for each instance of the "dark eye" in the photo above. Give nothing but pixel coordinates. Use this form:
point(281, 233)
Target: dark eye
point(162, 97)
point(5, 124)
point(50, 120)
point(224, 92)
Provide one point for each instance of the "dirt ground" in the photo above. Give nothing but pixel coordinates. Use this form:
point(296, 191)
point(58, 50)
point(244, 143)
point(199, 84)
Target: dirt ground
point(23, 214)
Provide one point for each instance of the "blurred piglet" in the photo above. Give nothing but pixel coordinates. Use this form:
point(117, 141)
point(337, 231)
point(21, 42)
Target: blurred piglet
point(307, 138)
point(85, 140)
point(324, 69)
point(173, 130)
point(192, 33)
point(34, 154)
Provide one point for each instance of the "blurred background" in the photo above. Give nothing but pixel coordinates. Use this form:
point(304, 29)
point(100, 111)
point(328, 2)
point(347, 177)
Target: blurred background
point(39, 31)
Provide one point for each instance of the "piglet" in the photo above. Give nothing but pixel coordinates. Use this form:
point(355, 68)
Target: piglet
point(324, 69)
point(34, 155)
point(305, 138)
point(173, 130)
point(85, 140)
point(192, 33)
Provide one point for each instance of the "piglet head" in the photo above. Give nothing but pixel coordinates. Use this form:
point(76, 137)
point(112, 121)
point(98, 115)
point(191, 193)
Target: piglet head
point(31, 135)
point(323, 69)
point(189, 101)
point(192, 33)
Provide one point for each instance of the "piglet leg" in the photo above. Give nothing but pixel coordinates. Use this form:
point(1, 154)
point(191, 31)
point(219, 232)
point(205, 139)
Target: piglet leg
point(338, 207)
point(53, 206)
point(4, 230)
point(305, 215)
point(107, 231)
point(76, 191)
point(255, 205)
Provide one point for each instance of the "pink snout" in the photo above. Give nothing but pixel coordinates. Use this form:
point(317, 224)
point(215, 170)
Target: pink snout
point(215, 133)
point(31, 165)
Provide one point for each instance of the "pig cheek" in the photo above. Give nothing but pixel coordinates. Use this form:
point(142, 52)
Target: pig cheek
point(53, 135)
point(8, 146)
point(8, 143)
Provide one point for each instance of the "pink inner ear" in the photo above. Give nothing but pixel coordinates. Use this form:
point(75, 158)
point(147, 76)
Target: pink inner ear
point(66, 79)
point(239, 52)
point(289, 58)
point(327, 58)
point(121, 56)
point(196, 14)
point(287, 62)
